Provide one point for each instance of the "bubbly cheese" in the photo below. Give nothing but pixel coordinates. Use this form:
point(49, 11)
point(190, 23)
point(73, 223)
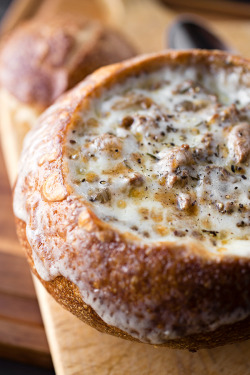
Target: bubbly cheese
point(166, 156)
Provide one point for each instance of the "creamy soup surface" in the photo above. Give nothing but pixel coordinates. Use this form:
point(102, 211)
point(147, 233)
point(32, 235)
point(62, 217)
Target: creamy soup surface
point(166, 156)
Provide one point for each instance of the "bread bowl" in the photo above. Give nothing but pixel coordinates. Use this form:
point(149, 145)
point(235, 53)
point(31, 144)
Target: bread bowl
point(132, 199)
point(41, 60)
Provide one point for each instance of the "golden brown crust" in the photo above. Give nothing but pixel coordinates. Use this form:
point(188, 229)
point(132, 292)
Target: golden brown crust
point(38, 61)
point(67, 294)
point(184, 285)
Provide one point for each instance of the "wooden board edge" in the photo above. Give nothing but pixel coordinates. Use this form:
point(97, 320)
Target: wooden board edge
point(224, 8)
point(47, 316)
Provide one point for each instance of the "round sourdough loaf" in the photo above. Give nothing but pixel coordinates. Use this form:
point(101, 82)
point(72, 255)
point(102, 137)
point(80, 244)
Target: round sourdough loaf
point(41, 60)
point(132, 199)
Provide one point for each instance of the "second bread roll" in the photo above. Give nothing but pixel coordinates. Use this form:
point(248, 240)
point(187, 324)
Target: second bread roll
point(39, 61)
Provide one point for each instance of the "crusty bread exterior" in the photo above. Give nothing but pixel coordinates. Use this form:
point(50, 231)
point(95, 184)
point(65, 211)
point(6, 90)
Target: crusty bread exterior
point(178, 283)
point(67, 295)
point(39, 61)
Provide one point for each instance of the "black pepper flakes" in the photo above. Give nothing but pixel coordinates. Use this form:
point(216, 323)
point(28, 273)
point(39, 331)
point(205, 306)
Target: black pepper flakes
point(179, 233)
point(212, 232)
point(134, 227)
point(241, 224)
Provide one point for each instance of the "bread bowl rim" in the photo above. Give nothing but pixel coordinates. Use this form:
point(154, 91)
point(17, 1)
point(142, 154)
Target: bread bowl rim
point(107, 77)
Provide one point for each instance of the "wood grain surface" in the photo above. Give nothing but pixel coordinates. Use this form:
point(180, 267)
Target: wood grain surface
point(76, 348)
point(22, 335)
point(228, 7)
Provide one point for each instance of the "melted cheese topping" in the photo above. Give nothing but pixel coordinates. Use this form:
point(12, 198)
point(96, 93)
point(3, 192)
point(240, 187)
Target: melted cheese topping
point(166, 155)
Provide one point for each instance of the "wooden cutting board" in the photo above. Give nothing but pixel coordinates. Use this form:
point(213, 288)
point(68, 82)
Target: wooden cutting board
point(76, 348)
point(22, 335)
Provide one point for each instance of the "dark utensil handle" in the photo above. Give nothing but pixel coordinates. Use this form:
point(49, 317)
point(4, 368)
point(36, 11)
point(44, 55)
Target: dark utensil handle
point(189, 32)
